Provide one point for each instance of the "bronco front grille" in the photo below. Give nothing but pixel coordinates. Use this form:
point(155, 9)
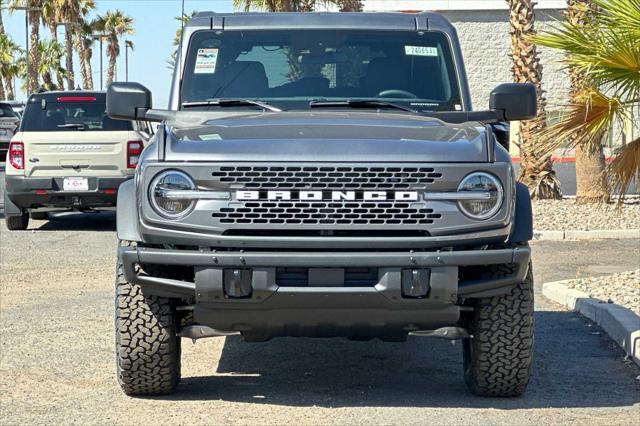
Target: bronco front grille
point(325, 177)
point(327, 213)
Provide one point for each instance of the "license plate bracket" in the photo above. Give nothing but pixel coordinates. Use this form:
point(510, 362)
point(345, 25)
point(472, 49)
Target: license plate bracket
point(75, 184)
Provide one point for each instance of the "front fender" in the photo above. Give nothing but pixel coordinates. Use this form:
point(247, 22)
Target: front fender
point(522, 230)
point(127, 212)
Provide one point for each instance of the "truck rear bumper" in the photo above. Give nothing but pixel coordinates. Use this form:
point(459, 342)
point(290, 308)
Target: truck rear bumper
point(30, 192)
point(280, 302)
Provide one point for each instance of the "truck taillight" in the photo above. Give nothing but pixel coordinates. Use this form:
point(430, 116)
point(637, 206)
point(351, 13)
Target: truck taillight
point(16, 155)
point(134, 149)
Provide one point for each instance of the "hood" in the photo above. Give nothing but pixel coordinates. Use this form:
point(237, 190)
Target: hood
point(328, 136)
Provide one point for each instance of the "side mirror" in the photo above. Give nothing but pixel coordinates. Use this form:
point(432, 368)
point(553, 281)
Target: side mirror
point(128, 101)
point(514, 101)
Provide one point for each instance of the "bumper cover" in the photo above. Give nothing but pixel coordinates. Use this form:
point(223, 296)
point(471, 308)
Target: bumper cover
point(276, 310)
point(102, 192)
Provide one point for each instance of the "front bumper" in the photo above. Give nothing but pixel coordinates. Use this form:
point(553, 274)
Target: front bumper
point(30, 192)
point(274, 309)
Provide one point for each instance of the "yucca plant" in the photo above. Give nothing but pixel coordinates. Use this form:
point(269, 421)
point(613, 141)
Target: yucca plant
point(602, 53)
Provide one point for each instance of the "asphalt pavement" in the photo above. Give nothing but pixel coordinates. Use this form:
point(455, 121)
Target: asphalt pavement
point(57, 358)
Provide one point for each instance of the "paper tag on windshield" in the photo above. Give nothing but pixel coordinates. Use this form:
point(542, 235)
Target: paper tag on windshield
point(420, 51)
point(206, 61)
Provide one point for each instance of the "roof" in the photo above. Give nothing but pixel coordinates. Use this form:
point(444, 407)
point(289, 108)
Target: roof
point(391, 21)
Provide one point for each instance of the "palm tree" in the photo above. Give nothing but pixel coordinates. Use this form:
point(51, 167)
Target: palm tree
point(535, 171)
point(2, 6)
point(9, 65)
point(34, 38)
point(51, 53)
point(601, 42)
point(275, 5)
point(349, 5)
point(50, 19)
point(72, 13)
point(115, 24)
point(186, 17)
point(84, 43)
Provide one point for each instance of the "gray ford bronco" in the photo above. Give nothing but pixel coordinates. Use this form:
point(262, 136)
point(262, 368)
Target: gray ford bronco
point(322, 175)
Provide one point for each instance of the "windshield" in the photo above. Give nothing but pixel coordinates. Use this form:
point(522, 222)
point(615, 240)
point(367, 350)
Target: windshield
point(7, 111)
point(289, 69)
point(70, 116)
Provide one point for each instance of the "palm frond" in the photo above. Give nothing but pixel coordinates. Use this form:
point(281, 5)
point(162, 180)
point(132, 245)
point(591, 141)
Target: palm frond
point(621, 14)
point(608, 57)
point(584, 121)
point(625, 168)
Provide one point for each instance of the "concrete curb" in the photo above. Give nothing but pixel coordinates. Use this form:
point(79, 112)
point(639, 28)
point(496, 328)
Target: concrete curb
point(621, 324)
point(596, 234)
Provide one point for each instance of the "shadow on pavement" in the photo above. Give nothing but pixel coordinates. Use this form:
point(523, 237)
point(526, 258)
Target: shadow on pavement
point(103, 221)
point(574, 367)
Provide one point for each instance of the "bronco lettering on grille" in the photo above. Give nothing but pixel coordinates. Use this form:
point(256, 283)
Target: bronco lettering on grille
point(328, 195)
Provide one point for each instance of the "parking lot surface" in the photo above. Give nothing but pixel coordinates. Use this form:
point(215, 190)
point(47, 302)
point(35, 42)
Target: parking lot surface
point(57, 353)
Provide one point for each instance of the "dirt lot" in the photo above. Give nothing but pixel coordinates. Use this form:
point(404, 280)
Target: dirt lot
point(57, 353)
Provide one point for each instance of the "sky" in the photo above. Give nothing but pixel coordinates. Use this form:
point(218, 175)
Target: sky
point(155, 28)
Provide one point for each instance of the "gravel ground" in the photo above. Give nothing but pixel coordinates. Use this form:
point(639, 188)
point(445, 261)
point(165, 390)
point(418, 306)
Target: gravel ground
point(622, 288)
point(567, 215)
point(57, 354)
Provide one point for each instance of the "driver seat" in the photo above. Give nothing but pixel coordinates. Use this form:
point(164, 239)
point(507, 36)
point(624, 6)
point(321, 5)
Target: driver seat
point(386, 74)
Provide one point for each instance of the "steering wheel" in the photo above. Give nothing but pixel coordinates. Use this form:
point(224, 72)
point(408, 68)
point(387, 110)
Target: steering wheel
point(396, 93)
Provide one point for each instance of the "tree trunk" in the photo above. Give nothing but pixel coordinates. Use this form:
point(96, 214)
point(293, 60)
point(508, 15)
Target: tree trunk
point(47, 82)
point(8, 88)
point(591, 184)
point(350, 5)
point(535, 172)
point(68, 42)
point(590, 177)
point(111, 72)
point(3, 94)
point(32, 78)
point(85, 62)
point(59, 76)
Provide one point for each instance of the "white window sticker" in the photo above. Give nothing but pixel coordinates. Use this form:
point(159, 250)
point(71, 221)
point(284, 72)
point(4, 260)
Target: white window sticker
point(420, 51)
point(206, 61)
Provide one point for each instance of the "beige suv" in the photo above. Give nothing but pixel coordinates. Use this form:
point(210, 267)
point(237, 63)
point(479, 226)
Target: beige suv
point(68, 155)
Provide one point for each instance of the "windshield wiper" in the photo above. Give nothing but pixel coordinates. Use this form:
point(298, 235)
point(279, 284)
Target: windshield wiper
point(230, 103)
point(78, 126)
point(359, 103)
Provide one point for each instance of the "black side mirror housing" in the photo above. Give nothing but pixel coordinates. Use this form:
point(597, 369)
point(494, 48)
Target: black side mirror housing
point(514, 101)
point(128, 101)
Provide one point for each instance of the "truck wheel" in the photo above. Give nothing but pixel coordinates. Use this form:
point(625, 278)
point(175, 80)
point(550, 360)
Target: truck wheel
point(497, 358)
point(39, 215)
point(17, 223)
point(147, 345)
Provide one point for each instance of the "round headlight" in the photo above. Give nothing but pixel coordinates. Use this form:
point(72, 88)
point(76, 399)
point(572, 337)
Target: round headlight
point(481, 208)
point(164, 198)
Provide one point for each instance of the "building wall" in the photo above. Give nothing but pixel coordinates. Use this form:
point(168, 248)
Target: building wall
point(484, 37)
point(483, 29)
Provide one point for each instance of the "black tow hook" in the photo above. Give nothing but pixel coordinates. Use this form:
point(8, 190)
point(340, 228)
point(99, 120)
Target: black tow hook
point(195, 332)
point(449, 333)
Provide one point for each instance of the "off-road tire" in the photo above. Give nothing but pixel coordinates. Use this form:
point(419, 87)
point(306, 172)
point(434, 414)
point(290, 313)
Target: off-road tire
point(498, 357)
point(147, 345)
point(17, 223)
point(39, 215)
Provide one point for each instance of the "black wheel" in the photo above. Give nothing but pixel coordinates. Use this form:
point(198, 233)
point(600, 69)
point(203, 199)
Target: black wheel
point(497, 358)
point(39, 215)
point(147, 345)
point(17, 223)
